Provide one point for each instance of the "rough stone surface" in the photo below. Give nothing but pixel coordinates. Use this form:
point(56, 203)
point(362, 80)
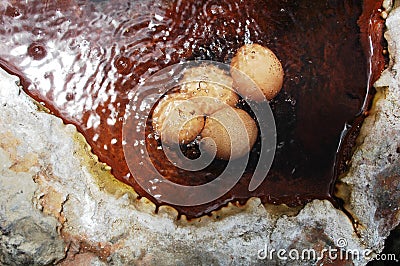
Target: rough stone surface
point(58, 204)
point(374, 177)
point(26, 235)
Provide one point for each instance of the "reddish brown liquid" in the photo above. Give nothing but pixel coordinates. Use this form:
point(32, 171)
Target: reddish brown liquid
point(83, 59)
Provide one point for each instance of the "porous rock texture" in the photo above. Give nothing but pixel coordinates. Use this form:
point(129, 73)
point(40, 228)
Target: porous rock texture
point(59, 205)
point(372, 185)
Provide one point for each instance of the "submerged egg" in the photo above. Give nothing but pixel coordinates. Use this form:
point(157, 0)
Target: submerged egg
point(256, 67)
point(210, 87)
point(177, 120)
point(233, 132)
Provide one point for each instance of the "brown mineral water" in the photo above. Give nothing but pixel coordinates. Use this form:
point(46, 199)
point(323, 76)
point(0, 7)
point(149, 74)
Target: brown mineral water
point(84, 59)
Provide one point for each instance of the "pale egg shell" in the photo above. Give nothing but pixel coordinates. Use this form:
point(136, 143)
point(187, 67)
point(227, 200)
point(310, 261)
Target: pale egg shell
point(210, 97)
point(233, 131)
point(256, 66)
point(212, 86)
point(177, 120)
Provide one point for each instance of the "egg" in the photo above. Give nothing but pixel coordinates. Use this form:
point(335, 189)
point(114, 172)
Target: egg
point(204, 104)
point(233, 133)
point(210, 97)
point(210, 87)
point(177, 120)
point(256, 68)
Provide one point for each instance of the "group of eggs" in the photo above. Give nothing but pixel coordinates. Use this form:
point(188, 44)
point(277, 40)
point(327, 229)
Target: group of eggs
point(204, 107)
